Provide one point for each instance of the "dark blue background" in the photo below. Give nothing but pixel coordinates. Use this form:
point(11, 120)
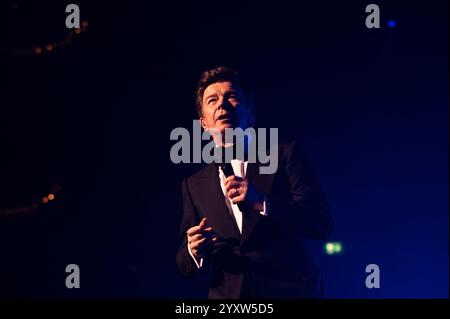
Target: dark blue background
point(370, 106)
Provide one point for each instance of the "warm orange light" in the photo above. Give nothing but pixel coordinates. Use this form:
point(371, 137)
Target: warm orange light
point(49, 47)
point(44, 200)
point(77, 31)
point(37, 50)
point(51, 196)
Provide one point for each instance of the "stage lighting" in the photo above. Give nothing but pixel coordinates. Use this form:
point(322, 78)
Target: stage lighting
point(333, 248)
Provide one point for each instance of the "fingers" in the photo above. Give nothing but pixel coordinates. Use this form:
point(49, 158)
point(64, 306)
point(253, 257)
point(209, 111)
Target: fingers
point(197, 229)
point(233, 178)
point(236, 189)
point(208, 233)
point(233, 184)
point(200, 243)
point(195, 238)
point(234, 192)
point(197, 233)
point(200, 236)
point(197, 244)
point(238, 199)
point(203, 223)
point(194, 230)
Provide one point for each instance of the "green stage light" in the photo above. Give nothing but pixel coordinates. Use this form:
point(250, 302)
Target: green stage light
point(329, 248)
point(333, 248)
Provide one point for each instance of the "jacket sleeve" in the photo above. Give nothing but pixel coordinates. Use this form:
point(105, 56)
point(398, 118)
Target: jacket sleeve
point(185, 262)
point(306, 211)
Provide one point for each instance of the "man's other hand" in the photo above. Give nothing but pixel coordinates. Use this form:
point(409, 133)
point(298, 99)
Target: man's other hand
point(200, 238)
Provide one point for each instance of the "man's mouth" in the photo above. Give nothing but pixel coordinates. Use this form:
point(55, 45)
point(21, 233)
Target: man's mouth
point(224, 117)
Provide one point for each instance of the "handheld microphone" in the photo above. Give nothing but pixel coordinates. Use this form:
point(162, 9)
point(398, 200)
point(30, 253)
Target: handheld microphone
point(227, 169)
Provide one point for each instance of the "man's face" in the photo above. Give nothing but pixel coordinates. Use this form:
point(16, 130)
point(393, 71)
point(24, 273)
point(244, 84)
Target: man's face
point(222, 107)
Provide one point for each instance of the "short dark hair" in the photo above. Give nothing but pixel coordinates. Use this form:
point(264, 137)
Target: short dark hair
point(217, 74)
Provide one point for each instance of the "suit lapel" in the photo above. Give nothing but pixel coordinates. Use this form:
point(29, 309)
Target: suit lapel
point(263, 184)
point(213, 203)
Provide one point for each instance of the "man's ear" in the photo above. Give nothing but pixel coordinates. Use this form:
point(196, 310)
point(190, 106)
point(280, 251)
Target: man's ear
point(203, 123)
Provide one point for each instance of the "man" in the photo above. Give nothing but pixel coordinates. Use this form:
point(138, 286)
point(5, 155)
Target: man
point(250, 229)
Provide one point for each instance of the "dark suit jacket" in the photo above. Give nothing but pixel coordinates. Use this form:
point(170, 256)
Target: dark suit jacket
point(271, 259)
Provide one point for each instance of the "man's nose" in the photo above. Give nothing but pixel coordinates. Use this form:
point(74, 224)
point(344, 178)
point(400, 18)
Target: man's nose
point(224, 104)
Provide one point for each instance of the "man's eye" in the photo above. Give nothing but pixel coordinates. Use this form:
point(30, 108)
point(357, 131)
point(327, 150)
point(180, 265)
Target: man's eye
point(211, 100)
